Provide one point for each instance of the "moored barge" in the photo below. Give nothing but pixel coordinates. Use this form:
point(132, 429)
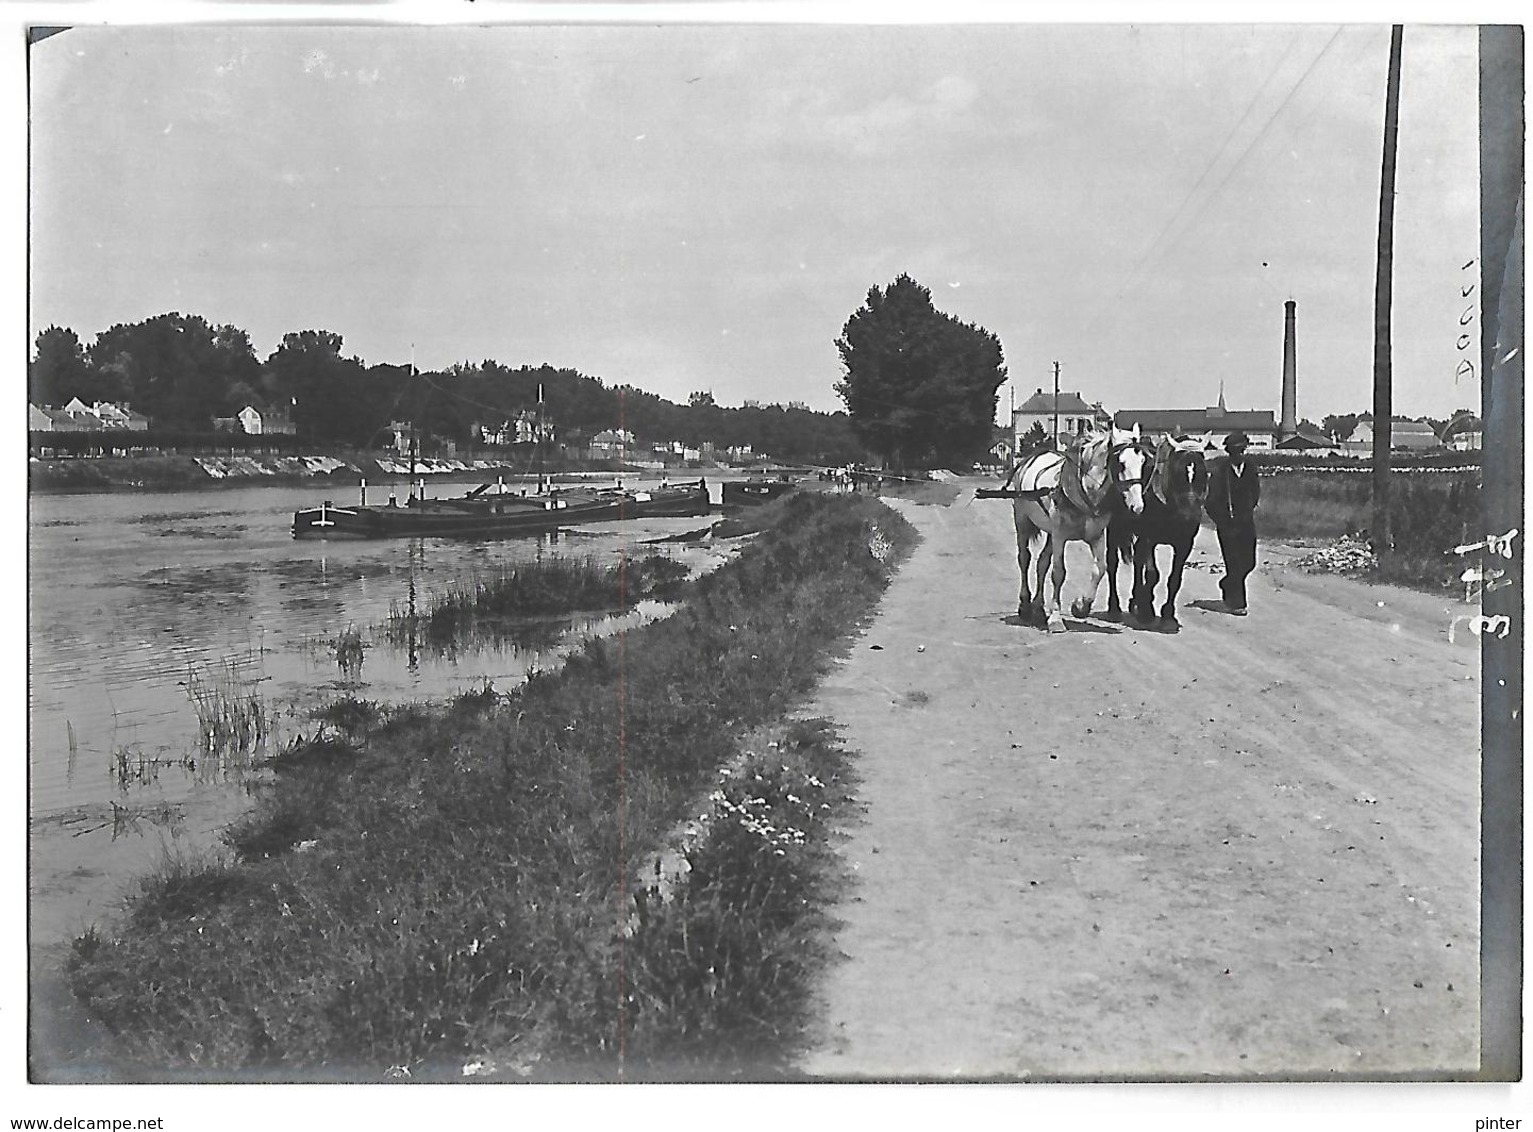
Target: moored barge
point(491, 512)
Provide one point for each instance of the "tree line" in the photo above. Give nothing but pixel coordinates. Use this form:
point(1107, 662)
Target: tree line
point(1341, 426)
point(919, 388)
point(182, 371)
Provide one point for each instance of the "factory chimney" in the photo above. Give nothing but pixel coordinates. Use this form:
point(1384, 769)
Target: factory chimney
point(1290, 422)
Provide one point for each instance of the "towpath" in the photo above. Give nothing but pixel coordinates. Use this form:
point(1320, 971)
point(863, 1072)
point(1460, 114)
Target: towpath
point(1248, 848)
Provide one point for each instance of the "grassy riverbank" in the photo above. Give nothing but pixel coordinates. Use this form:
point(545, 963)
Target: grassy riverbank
point(1430, 513)
point(613, 871)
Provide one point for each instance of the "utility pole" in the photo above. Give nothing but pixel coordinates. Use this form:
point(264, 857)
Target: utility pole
point(1383, 289)
point(1011, 422)
point(1056, 406)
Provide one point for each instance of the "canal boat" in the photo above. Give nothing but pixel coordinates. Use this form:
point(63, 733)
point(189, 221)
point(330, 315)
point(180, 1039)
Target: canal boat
point(490, 511)
point(755, 491)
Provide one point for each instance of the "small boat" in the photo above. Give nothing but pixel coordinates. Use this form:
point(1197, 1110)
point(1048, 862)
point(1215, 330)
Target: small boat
point(490, 511)
point(755, 491)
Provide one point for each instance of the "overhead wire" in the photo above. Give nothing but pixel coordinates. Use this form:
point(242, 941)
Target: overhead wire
point(1239, 161)
point(1210, 166)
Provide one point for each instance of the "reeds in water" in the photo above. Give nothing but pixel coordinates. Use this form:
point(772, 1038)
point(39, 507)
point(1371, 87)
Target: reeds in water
point(233, 720)
point(489, 604)
point(348, 653)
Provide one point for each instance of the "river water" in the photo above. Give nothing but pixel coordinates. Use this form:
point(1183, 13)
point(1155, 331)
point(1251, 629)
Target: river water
point(141, 604)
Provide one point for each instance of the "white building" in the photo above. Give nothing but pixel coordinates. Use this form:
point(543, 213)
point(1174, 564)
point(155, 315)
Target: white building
point(1075, 416)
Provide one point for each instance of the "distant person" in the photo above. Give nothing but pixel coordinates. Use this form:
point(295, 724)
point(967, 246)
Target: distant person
point(1233, 492)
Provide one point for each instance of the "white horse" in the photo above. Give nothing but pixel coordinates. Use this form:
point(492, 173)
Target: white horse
point(1068, 497)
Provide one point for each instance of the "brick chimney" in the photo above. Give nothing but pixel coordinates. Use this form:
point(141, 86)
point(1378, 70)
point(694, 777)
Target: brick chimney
point(1290, 422)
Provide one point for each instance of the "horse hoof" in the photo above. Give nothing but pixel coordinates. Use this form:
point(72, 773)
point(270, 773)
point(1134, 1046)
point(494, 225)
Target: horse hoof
point(1056, 624)
point(1170, 625)
point(1080, 610)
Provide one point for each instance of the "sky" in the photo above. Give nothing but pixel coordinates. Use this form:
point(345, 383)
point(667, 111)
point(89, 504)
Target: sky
point(682, 207)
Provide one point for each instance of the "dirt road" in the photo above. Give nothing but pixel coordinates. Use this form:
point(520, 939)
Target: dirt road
point(1249, 848)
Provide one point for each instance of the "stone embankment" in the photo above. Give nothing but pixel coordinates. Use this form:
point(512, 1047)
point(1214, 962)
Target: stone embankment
point(175, 472)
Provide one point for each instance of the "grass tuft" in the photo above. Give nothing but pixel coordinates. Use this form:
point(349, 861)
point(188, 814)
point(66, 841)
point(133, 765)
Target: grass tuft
point(503, 601)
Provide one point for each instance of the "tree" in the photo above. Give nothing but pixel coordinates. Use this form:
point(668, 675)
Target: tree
point(175, 368)
point(1460, 420)
point(700, 398)
point(920, 385)
point(60, 371)
point(1034, 438)
point(333, 398)
point(1339, 427)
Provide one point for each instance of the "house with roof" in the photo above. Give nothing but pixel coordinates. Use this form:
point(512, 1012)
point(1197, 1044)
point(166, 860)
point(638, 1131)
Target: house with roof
point(610, 442)
point(114, 415)
point(1411, 436)
point(252, 421)
point(1466, 440)
point(77, 416)
point(1075, 416)
point(1209, 425)
point(526, 427)
point(1306, 439)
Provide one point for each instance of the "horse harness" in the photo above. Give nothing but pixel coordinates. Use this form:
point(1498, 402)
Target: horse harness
point(1159, 476)
point(1076, 491)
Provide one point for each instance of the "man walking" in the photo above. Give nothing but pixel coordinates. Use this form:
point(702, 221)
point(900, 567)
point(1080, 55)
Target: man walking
point(1233, 492)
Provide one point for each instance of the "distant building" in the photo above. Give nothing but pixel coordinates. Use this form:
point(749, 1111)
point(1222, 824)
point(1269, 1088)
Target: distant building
point(1413, 436)
point(80, 417)
point(1306, 438)
point(252, 421)
point(277, 420)
point(610, 443)
point(1467, 441)
point(1210, 425)
point(524, 428)
point(1074, 414)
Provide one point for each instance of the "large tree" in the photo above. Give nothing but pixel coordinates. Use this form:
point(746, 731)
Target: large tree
point(331, 397)
point(59, 371)
point(178, 369)
point(920, 385)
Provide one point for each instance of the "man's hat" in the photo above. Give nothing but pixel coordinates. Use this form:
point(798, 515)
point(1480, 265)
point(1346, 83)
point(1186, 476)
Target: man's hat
point(1237, 440)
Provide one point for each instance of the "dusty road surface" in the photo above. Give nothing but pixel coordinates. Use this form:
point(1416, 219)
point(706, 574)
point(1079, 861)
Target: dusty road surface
point(1248, 848)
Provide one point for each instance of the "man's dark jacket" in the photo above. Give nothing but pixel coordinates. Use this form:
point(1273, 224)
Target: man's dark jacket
point(1231, 498)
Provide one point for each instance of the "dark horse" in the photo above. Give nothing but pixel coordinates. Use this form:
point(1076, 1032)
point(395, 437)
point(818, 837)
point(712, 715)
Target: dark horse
point(1173, 508)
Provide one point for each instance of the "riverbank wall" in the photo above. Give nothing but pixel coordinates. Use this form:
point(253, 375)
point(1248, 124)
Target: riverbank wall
point(345, 469)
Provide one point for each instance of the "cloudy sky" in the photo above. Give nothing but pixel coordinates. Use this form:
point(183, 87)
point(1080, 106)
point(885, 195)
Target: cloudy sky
point(702, 207)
